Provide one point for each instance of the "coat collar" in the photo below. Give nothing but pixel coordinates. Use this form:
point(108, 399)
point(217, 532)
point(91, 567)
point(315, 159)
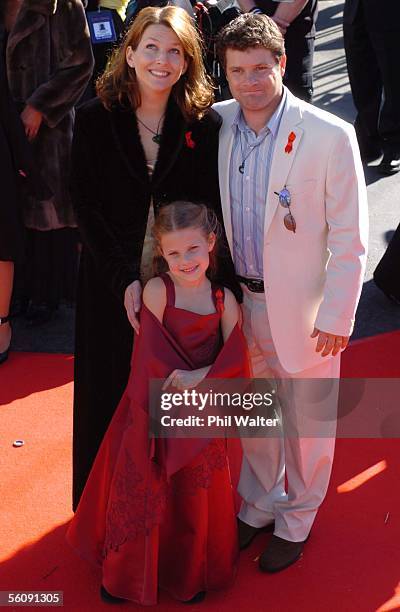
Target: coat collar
point(45, 7)
point(31, 17)
point(126, 136)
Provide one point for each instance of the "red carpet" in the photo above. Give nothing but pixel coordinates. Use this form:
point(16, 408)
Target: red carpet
point(352, 560)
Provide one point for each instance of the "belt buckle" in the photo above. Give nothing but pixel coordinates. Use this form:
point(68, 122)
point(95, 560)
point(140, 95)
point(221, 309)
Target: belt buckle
point(255, 285)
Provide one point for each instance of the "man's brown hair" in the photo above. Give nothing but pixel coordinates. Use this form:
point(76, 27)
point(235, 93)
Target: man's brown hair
point(250, 31)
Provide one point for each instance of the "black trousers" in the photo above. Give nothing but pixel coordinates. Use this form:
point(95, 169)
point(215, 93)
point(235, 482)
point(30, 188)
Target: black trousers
point(372, 55)
point(299, 70)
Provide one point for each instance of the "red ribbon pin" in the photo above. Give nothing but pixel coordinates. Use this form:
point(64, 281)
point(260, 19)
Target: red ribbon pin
point(189, 142)
point(290, 141)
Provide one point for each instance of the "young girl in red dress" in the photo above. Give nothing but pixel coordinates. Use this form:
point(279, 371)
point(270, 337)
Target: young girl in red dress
point(153, 514)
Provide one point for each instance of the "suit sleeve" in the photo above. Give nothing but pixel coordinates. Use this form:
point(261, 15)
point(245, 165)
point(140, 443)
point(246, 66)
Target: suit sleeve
point(88, 203)
point(347, 219)
point(73, 67)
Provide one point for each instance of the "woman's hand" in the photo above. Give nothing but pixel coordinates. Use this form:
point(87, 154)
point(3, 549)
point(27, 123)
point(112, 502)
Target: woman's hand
point(32, 120)
point(133, 303)
point(186, 379)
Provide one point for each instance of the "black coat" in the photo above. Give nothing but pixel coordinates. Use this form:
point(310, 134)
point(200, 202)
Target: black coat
point(303, 26)
point(378, 16)
point(111, 194)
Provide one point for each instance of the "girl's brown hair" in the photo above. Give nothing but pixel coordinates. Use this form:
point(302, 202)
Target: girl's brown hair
point(193, 92)
point(184, 215)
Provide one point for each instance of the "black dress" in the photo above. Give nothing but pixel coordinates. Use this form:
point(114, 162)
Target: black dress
point(112, 192)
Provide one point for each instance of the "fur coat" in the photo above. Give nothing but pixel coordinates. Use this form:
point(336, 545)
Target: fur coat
point(49, 62)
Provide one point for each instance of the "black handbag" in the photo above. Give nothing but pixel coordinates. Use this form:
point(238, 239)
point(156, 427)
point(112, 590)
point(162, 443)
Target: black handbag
point(387, 272)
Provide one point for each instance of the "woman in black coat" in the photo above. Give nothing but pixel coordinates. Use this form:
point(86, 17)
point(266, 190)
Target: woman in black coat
point(147, 141)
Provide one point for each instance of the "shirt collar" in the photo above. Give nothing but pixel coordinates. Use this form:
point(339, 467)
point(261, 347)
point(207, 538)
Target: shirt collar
point(272, 125)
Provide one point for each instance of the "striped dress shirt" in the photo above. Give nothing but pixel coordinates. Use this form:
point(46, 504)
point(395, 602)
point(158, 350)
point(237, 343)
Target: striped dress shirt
point(248, 190)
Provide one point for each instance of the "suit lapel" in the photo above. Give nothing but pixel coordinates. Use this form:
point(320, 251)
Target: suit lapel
point(224, 158)
point(282, 161)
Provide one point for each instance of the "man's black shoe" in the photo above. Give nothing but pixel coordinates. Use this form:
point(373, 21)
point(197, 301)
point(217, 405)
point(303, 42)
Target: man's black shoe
point(279, 554)
point(247, 533)
point(370, 154)
point(390, 164)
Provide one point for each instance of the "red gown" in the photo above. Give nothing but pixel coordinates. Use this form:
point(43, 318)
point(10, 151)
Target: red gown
point(152, 526)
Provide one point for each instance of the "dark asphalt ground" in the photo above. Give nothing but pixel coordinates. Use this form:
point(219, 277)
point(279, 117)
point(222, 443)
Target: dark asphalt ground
point(376, 314)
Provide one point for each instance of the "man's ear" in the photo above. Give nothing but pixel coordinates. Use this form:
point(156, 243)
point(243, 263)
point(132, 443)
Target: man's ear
point(282, 64)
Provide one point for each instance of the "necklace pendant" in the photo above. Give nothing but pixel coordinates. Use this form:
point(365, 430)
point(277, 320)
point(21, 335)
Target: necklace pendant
point(241, 168)
point(157, 138)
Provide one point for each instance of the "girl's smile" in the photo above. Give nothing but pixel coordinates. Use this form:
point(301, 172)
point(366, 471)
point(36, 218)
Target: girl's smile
point(187, 253)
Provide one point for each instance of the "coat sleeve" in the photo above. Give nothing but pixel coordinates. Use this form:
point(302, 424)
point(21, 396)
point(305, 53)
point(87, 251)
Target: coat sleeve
point(207, 191)
point(347, 219)
point(73, 67)
point(96, 233)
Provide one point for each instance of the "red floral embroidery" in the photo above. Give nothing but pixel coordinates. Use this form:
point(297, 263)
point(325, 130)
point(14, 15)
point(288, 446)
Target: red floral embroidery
point(189, 142)
point(289, 145)
point(137, 504)
point(199, 474)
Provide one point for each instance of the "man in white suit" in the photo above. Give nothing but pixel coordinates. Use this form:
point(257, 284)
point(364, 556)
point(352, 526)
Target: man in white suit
point(295, 214)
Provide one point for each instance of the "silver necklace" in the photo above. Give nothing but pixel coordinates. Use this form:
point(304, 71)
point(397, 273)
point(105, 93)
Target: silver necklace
point(157, 135)
point(251, 149)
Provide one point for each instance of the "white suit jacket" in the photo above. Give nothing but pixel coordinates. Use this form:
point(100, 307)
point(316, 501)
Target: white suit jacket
point(312, 277)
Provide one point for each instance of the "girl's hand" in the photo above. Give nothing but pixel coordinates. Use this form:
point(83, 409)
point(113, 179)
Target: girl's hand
point(32, 120)
point(186, 379)
point(133, 303)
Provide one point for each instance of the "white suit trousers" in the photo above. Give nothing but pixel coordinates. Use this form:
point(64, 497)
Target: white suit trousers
point(307, 461)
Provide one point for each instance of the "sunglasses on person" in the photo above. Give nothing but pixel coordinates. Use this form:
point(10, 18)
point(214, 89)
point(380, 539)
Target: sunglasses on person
point(285, 200)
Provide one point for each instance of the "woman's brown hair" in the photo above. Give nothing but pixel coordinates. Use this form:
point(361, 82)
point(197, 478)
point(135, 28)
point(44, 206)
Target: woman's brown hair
point(193, 92)
point(179, 216)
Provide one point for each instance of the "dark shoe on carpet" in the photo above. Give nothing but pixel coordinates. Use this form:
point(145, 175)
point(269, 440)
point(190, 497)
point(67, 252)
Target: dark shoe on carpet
point(247, 533)
point(390, 163)
point(108, 598)
point(279, 554)
point(4, 353)
point(198, 598)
